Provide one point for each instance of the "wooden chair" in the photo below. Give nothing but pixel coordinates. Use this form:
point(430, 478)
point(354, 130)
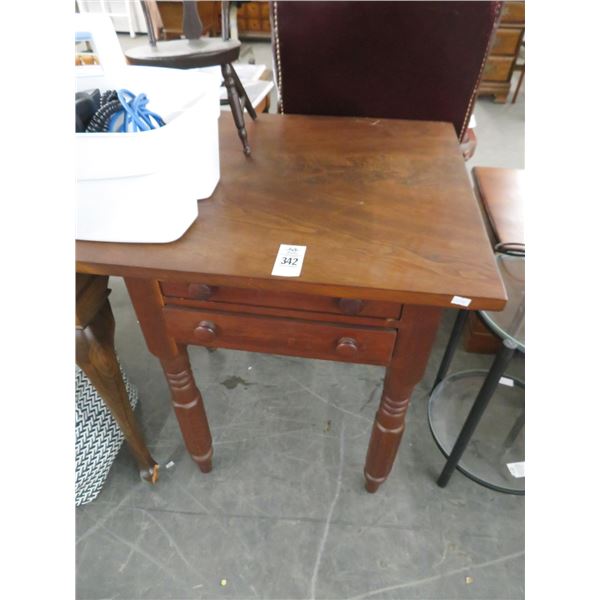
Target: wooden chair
point(403, 60)
point(194, 52)
point(501, 196)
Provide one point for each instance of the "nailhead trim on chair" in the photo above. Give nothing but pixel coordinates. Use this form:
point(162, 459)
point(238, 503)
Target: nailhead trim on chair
point(474, 93)
point(278, 58)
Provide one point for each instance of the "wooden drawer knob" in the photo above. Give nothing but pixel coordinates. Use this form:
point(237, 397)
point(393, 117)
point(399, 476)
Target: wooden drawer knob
point(201, 291)
point(347, 346)
point(351, 306)
point(206, 331)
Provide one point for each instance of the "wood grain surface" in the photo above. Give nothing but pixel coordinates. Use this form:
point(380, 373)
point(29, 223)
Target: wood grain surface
point(384, 207)
point(273, 335)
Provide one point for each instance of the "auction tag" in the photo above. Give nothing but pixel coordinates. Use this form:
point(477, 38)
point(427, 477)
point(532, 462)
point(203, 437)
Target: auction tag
point(516, 469)
point(289, 261)
point(507, 381)
point(460, 301)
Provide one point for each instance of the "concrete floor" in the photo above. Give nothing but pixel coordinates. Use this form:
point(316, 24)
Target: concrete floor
point(284, 513)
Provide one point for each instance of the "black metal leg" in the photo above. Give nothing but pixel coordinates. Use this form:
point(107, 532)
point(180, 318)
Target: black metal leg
point(515, 430)
point(234, 103)
point(243, 95)
point(459, 325)
point(484, 396)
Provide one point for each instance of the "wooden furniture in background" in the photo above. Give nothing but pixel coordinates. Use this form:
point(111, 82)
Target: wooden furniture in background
point(500, 64)
point(96, 357)
point(195, 52)
point(385, 78)
point(171, 13)
point(501, 195)
point(377, 273)
point(519, 67)
point(253, 20)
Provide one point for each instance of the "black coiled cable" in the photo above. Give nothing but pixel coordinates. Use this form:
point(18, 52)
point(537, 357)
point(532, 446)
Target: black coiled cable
point(109, 105)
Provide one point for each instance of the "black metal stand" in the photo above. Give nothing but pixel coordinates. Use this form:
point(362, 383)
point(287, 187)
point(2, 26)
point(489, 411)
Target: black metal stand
point(459, 325)
point(484, 396)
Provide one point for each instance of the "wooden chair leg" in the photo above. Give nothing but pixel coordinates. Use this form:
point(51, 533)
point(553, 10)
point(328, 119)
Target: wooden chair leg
point(521, 76)
point(96, 357)
point(236, 107)
point(243, 95)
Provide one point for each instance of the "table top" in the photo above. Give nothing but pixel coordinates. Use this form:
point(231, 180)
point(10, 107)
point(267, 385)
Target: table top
point(384, 207)
point(510, 322)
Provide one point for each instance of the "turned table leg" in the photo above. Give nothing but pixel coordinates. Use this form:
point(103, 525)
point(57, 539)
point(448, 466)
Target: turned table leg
point(186, 398)
point(189, 409)
point(96, 357)
point(416, 335)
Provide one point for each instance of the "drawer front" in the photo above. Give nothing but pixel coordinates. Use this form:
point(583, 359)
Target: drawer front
point(254, 25)
point(506, 41)
point(253, 9)
point(273, 335)
point(498, 68)
point(291, 301)
point(513, 12)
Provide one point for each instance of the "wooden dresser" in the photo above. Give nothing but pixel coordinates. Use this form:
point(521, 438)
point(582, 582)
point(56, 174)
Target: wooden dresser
point(252, 18)
point(500, 64)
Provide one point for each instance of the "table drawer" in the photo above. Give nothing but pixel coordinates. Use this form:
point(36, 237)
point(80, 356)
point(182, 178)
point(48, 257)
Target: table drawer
point(292, 301)
point(274, 335)
point(506, 41)
point(252, 9)
point(513, 12)
point(498, 68)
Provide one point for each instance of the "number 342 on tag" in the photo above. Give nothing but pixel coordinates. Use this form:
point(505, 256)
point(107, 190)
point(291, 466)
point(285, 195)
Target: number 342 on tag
point(288, 262)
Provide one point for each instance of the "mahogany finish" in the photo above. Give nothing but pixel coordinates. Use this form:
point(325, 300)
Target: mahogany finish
point(280, 336)
point(95, 355)
point(416, 335)
point(502, 196)
point(224, 295)
point(384, 207)
point(392, 231)
point(478, 338)
point(504, 51)
point(185, 396)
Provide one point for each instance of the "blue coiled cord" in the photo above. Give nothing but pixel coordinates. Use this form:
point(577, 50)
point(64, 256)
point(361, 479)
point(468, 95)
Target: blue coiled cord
point(134, 116)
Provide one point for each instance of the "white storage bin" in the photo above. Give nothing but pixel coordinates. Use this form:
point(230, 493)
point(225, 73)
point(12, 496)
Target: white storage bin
point(144, 186)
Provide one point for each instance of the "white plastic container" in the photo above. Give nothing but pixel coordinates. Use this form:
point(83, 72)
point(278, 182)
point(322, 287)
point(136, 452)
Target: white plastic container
point(144, 186)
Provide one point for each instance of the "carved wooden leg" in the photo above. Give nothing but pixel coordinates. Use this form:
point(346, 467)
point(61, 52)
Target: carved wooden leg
point(189, 409)
point(244, 98)
point(236, 108)
point(95, 355)
point(148, 304)
point(416, 335)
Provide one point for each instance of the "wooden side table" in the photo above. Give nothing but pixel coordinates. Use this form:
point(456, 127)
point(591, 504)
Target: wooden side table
point(393, 235)
point(96, 357)
point(501, 195)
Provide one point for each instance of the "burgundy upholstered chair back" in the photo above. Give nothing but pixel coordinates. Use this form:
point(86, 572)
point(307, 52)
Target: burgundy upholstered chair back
point(408, 60)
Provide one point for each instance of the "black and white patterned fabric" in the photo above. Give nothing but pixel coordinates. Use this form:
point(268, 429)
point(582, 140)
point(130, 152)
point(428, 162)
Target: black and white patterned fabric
point(98, 437)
